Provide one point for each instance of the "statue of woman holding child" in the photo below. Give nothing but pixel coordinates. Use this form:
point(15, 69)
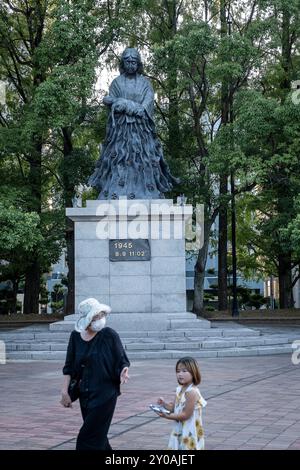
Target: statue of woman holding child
point(131, 162)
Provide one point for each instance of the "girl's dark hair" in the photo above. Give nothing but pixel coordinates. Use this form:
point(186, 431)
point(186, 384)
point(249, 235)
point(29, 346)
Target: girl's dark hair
point(192, 366)
point(134, 53)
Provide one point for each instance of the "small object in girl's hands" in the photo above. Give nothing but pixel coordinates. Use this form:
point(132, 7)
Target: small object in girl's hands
point(159, 409)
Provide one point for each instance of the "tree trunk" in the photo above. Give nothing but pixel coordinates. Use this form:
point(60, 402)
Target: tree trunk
point(199, 278)
point(174, 141)
point(32, 288)
point(286, 51)
point(199, 272)
point(33, 271)
point(15, 293)
point(70, 306)
point(223, 219)
point(222, 248)
point(285, 282)
point(284, 196)
point(69, 191)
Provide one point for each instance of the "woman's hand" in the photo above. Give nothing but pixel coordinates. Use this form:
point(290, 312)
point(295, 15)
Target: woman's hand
point(124, 376)
point(66, 400)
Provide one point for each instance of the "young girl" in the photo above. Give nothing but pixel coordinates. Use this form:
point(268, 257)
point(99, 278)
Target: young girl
point(186, 411)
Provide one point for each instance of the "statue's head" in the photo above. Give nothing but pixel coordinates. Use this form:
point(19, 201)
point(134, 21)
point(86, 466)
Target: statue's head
point(131, 61)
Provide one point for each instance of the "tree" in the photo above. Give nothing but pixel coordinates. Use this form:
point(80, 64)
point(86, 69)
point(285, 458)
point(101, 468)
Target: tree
point(22, 27)
point(49, 52)
point(21, 238)
point(269, 135)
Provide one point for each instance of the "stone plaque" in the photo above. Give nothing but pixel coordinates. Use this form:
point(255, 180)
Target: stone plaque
point(129, 250)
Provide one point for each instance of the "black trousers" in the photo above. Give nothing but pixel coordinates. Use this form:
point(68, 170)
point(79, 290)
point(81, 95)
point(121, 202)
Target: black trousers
point(93, 433)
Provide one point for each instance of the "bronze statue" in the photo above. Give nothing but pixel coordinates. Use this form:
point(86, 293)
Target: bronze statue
point(131, 162)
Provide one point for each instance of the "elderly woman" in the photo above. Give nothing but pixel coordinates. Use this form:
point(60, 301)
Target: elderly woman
point(97, 358)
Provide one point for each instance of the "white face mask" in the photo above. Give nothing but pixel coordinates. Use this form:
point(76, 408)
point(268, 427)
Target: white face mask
point(97, 325)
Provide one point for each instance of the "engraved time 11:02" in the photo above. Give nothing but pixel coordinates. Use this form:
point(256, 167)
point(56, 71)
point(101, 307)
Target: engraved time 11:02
point(136, 253)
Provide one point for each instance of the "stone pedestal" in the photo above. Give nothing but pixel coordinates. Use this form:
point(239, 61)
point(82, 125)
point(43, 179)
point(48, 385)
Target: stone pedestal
point(154, 286)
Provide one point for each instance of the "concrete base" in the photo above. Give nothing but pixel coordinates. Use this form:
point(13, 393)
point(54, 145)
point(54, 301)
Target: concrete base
point(148, 287)
point(141, 322)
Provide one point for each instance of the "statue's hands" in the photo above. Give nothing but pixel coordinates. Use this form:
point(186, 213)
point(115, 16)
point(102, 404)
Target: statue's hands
point(135, 109)
point(120, 105)
point(130, 108)
point(140, 112)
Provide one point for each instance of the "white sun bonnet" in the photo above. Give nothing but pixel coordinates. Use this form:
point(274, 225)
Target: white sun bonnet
point(87, 310)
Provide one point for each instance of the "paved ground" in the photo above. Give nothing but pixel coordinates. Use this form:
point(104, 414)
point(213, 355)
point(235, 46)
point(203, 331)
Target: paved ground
point(253, 403)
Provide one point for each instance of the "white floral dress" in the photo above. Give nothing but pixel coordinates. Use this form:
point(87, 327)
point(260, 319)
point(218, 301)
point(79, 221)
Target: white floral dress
point(189, 434)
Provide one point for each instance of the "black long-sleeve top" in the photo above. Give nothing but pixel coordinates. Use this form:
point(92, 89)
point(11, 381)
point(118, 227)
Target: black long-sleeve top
point(100, 364)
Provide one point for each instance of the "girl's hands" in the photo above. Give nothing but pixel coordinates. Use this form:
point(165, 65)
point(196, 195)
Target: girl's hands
point(161, 401)
point(167, 416)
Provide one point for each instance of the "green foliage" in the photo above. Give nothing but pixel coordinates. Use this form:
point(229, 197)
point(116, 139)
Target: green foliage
point(209, 308)
point(291, 233)
point(19, 230)
point(269, 133)
point(44, 294)
point(77, 167)
point(211, 271)
point(57, 307)
point(25, 234)
point(57, 298)
point(248, 299)
point(49, 55)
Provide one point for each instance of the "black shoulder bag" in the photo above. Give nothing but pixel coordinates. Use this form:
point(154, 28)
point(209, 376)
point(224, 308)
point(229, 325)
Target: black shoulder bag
point(74, 385)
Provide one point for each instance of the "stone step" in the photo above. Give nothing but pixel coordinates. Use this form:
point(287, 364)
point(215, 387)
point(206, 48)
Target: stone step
point(227, 332)
point(194, 345)
point(36, 355)
point(11, 336)
point(187, 332)
point(153, 344)
point(62, 342)
point(47, 336)
point(161, 354)
point(235, 352)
